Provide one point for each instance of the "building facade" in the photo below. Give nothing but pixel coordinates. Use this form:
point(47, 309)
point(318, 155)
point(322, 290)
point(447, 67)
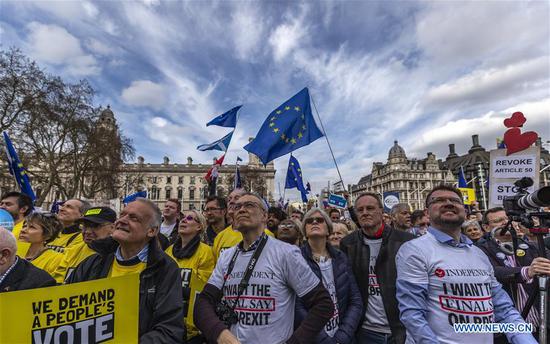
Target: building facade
point(411, 178)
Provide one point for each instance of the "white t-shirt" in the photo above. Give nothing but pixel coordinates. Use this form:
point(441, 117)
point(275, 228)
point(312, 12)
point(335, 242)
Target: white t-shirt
point(266, 308)
point(375, 315)
point(328, 281)
point(166, 230)
point(459, 286)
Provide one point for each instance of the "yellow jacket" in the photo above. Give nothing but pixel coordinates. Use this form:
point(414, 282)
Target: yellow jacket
point(72, 237)
point(71, 258)
point(48, 260)
point(22, 247)
point(196, 263)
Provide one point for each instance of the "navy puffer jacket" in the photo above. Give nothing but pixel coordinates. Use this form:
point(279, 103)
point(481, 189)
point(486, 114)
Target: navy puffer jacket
point(350, 304)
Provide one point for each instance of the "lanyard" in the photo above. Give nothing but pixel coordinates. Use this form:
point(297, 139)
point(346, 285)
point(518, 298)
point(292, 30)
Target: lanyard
point(249, 268)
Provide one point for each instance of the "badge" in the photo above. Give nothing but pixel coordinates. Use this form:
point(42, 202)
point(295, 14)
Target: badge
point(501, 255)
point(520, 253)
point(523, 246)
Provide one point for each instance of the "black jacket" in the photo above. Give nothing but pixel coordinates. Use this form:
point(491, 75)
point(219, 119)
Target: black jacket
point(350, 305)
point(160, 298)
point(24, 276)
point(386, 272)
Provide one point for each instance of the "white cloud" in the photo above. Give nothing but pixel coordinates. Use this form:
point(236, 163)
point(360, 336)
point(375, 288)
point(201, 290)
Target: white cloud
point(54, 45)
point(493, 84)
point(100, 47)
point(68, 10)
point(247, 30)
point(145, 93)
point(288, 36)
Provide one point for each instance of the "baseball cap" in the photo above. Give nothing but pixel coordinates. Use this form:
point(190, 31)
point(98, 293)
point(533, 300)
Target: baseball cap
point(99, 215)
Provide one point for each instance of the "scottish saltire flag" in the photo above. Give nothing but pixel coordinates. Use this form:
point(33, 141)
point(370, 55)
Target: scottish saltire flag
point(132, 197)
point(238, 182)
point(17, 169)
point(462, 179)
point(289, 127)
point(220, 144)
point(294, 178)
point(227, 119)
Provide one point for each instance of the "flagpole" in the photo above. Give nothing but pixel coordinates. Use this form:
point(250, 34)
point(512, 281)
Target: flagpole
point(329, 146)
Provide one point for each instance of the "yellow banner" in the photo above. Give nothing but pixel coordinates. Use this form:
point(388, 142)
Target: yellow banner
point(468, 195)
point(100, 311)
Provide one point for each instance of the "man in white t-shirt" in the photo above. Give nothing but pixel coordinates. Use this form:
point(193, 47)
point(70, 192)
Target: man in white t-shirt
point(443, 280)
point(264, 311)
point(169, 225)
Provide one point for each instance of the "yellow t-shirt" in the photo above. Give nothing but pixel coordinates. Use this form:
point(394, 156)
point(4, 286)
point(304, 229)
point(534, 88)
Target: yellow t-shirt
point(48, 260)
point(64, 241)
point(122, 270)
point(71, 258)
point(229, 238)
point(195, 272)
point(22, 247)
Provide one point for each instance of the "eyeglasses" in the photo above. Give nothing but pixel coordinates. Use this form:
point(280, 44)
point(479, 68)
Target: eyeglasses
point(287, 226)
point(310, 220)
point(245, 205)
point(439, 200)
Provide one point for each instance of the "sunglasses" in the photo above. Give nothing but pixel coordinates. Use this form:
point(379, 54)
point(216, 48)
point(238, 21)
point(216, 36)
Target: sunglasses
point(310, 220)
point(189, 218)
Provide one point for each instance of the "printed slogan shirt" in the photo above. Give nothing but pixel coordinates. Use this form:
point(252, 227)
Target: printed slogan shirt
point(441, 282)
point(266, 307)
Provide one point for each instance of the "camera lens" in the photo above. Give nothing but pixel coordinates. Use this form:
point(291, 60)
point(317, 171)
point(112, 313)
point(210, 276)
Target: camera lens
point(539, 198)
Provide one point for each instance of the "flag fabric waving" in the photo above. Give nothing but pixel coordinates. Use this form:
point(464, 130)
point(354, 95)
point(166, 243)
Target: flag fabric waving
point(238, 182)
point(227, 119)
point(294, 178)
point(289, 127)
point(220, 144)
point(462, 179)
point(17, 169)
point(213, 171)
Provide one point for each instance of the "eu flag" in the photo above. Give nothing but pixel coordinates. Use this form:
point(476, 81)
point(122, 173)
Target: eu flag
point(17, 169)
point(461, 179)
point(294, 178)
point(227, 119)
point(134, 196)
point(289, 127)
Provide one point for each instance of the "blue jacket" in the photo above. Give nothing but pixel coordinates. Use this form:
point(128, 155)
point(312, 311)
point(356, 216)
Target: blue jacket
point(350, 304)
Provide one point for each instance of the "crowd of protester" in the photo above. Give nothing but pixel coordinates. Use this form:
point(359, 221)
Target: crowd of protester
point(241, 271)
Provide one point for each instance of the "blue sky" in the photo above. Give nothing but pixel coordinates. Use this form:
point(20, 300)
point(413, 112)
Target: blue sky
point(424, 73)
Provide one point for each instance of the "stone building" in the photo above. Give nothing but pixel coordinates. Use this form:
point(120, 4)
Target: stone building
point(412, 178)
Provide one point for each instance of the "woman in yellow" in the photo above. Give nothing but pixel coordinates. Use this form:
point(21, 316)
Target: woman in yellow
point(196, 263)
point(38, 230)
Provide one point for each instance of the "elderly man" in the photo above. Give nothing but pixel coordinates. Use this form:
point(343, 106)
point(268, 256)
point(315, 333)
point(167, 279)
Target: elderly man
point(401, 217)
point(442, 274)
point(138, 251)
point(18, 205)
point(17, 273)
point(372, 251)
point(257, 283)
point(69, 212)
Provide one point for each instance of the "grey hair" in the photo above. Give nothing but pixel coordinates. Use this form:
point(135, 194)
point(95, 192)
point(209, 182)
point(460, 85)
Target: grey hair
point(84, 205)
point(310, 213)
point(157, 214)
point(7, 240)
point(398, 207)
point(469, 223)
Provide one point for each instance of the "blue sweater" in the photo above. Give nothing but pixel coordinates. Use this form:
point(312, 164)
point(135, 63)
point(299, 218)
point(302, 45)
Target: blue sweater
point(350, 304)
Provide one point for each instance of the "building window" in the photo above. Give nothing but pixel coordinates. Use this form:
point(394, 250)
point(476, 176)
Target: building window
point(180, 180)
point(154, 179)
point(191, 193)
point(180, 194)
point(168, 194)
point(168, 180)
point(191, 206)
point(155, 193)
point(192, 180)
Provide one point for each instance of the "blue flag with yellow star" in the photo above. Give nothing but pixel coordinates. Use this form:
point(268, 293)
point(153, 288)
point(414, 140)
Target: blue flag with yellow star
point(17, 169)
point(294, 177)
point(289, 127)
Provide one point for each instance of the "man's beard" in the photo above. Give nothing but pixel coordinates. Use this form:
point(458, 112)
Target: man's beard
point(289, 239)
point(452, 224)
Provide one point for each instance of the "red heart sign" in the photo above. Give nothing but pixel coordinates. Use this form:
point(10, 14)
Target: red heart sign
point(516, 141)
point(517, 120)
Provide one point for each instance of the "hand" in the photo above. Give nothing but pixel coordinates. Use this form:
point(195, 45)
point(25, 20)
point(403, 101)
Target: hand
point(226, 337)
point(539, 266)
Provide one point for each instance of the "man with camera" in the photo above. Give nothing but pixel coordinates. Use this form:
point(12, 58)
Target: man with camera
point(251, 294)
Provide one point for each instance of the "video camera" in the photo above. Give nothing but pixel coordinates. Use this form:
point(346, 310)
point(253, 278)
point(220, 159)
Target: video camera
point(524, 206)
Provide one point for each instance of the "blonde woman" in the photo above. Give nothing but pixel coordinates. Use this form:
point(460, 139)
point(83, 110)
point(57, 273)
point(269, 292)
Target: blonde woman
point(196, 262)
point(38, 230)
